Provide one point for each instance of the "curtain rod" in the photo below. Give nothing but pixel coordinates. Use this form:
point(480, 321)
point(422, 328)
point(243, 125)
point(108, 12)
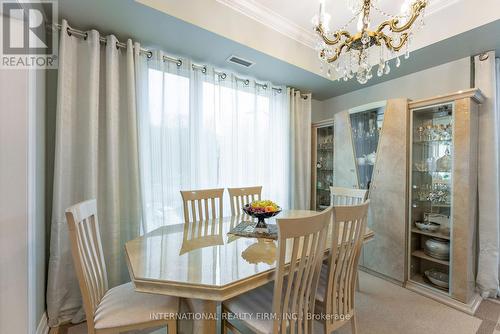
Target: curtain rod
point(177, 61)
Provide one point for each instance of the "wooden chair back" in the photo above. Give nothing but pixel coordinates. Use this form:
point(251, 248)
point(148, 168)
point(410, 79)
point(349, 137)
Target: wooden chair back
point(348, 228)
point(347, 196)
point(241, 196)
point(202, 204)
point(88, 257)
point(295, 287)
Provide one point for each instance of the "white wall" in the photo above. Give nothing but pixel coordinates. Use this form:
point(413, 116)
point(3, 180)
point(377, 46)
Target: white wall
point(317, 110)
point(22, 221)
point(446, 78)
point(13, 202)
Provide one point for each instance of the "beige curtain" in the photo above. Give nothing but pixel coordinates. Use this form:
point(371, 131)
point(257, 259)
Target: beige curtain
point(300, 117)
point(95, 157)
point(487, 76)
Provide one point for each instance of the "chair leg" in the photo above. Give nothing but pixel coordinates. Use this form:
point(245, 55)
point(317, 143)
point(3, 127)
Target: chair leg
point(354, 324)
point(172, 326)
point(223, 325)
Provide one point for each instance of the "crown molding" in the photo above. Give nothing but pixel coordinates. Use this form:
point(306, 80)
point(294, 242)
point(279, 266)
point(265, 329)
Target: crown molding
point(288, 28)
point(437, 5)
point(273, 20)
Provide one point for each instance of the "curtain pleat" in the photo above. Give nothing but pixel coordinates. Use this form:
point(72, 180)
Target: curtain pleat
point(300, 113)
point(95, 157)
point(487, 78)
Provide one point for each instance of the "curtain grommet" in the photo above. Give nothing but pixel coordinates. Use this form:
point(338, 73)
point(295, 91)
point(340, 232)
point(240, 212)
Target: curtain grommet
point(68, 31)
point(149, 54)
point(484, 56)
point(204, 70)
point(179, 63)
point(247, 82)
point(223, 76)
point(86, 36)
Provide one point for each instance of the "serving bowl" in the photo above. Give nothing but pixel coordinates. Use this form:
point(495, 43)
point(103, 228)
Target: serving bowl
point(427, 226)
point(438, 278)
point(437, 248)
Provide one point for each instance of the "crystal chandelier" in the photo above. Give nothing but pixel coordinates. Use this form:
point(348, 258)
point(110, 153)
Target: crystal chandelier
point(350, 54)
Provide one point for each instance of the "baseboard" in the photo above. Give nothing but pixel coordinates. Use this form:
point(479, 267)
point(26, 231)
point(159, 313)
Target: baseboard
point(379, 275)
point(43, 326)
point(469, 308)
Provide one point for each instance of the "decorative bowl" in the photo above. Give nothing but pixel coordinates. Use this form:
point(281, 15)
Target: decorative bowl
point(427, 226)
point(261, 224)
point(438, 278)
point(437, 248)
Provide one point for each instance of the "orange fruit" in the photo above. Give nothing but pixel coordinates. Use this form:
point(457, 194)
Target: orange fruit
point(269, 209)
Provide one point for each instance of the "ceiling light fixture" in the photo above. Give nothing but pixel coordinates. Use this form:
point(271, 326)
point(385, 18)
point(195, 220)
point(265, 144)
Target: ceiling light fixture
point(351, 52)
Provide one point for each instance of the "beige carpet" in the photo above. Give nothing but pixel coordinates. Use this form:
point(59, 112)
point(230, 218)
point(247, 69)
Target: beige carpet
point(386, 308)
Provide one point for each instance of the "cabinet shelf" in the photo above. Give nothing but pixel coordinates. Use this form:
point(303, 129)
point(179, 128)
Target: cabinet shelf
point(431, 172)
point(443, 205)
point(430, 234)
point(421, 280)
point(420, 254)
point(431, 142)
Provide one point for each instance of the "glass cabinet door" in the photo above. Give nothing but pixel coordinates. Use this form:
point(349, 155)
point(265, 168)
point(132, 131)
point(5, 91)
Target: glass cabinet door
point(431, 195)
point(324, 166)
point(365, 130)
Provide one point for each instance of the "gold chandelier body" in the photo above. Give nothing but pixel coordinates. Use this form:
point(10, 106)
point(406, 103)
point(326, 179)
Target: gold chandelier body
point(392, 33)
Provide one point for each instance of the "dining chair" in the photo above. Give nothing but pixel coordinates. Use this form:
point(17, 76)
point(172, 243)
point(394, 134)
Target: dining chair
point(118, 309)
point(241, 196)
point(202, 204)
point(347, 196)
point(335, 296)
point(290, 301)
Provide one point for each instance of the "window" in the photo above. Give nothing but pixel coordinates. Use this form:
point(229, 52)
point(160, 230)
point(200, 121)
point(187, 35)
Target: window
point(198, 133)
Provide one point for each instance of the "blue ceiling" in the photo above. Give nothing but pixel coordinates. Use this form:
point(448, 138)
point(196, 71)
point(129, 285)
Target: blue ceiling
point(155, 29)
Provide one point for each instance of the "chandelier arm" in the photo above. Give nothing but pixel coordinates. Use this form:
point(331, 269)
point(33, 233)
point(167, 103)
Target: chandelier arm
point(417, 8)
point(338, 51)
point(336, 35)
point(389, 42)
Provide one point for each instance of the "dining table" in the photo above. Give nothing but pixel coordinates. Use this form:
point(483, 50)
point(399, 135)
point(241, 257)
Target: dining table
point(204, 264)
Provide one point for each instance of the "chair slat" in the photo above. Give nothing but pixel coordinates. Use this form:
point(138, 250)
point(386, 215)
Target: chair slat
point(347, 237)
point(242, 196)
point(88, 256)
point(340, 196)
point(202, 203)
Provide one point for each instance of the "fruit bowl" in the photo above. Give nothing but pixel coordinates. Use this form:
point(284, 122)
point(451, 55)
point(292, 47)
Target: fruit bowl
point(261, 210)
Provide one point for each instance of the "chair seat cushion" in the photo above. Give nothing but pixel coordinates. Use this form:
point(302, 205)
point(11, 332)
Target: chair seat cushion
point(123, 306)
point(251, 306)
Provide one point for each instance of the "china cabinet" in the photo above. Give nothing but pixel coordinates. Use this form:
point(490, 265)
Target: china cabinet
point(322, 164)
point(442, 198)
point(371, 152)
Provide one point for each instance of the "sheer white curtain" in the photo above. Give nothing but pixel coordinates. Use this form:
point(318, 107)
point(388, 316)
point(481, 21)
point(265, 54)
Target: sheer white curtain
point(95, 157)
point(487, 78)
point(198, 129)
point(300, 111)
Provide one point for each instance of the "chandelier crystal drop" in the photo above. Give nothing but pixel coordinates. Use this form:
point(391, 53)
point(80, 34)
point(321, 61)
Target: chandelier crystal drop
point(391, 37)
